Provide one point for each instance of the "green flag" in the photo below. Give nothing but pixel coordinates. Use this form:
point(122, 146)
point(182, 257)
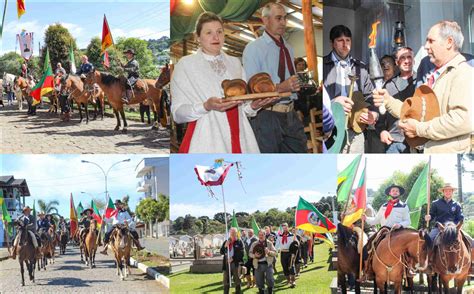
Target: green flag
point(255, 227)
point(71, 60)
point(418, 196)
point(234, 224)
point(5, 215)
point(345, 179)
point(80, 208)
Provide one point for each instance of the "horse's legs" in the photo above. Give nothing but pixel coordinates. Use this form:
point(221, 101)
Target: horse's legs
point(122, 113)
point(117, 116)
point(375, 286)
point(22, 270)
point(341, 280)
point(86, 105)
point(79, 106)
point(459, 284)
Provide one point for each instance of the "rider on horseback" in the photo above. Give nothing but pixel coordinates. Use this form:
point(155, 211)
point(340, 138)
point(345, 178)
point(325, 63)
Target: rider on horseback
point(62, 224)
point(86, 67)
point(132, 68)
point(27, 220)
point(393, 214)
point(85, 222)
point(122, 217)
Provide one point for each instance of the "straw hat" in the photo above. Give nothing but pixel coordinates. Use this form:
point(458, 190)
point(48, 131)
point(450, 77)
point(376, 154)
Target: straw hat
point(447, 186)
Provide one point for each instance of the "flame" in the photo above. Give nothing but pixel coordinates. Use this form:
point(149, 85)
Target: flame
point(373, 35)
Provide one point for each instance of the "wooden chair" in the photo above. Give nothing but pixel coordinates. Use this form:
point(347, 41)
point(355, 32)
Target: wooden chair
point(314, 131)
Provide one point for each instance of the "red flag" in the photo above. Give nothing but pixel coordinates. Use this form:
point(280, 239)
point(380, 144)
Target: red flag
point(20, 6)
point(110, 210)
point(107, 40)
point(105, 59)
point(359, 202)
point(73, 217)
point(96, 213)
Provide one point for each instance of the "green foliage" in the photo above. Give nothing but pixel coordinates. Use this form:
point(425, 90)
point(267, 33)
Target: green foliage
point(11, 63)
point(93, 53)
point(48, 208)
point(152, 210)
point(58, 40)
point(159, 49)
point(144, 56)
point(468, 227)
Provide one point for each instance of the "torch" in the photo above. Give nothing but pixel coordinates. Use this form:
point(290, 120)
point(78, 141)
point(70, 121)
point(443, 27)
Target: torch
point(376, 74)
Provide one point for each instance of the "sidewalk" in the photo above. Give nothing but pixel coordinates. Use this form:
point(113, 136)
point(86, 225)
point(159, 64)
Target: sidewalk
point(158, 246)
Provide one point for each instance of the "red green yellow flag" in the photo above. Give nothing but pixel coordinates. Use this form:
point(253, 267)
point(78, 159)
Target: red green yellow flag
point(359, 202)
point(345, 179)
point(73, 216)
point(20, 7)
point(46, 84)
point(327, 238)
point(96, 213)
point(107, 40)
point(309, 218)
point(110, 210)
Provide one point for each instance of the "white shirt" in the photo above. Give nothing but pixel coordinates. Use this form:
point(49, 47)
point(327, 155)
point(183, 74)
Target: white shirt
point(400, 215)
point(123, 216)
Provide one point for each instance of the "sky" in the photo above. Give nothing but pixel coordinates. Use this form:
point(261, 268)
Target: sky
point(55, 177)
point(140, 19)
point(270, 181)
point(382, 166)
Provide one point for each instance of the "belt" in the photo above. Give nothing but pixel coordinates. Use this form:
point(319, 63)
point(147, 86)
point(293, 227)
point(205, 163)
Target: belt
point(283, 108)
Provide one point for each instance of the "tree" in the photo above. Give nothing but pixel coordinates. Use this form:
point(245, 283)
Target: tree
point(11, 63)
point(164, 202)
point(220, 217)
point(93, 51)
point(144, 56)
point(58, 40)
point(148, 210)
point(48, 208)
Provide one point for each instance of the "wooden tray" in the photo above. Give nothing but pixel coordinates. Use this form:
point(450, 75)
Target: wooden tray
point(258, 96)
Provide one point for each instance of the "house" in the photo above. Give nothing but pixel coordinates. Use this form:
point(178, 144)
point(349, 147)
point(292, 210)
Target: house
point(153, 175)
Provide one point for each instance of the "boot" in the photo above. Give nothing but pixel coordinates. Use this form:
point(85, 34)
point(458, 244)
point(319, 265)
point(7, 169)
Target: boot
point(128, 95)
point(261, 291)
point(137, 243)
point(249, 281)
point(288, 281)
point(269, 290)
point(13, 254)
point(254, 281)
point(292, 281)
point(104, 251)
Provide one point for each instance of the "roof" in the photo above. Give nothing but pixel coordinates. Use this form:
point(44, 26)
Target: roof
point(20, 184)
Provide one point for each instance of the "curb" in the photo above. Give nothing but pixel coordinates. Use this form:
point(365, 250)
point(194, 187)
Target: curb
point(151, 272)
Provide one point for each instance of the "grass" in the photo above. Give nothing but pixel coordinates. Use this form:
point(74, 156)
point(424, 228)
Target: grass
point(315, 277)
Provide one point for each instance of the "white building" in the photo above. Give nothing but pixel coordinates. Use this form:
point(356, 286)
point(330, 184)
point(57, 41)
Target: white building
point(153, 174)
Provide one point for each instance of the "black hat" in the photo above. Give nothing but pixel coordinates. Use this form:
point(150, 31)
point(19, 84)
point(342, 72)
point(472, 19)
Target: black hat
point(400, 188)
point(85, 210)
point(118, 201)
point(131, 51)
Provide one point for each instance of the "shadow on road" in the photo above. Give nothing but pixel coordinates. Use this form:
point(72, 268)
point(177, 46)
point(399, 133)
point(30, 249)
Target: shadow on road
point(69, 267)
point(72, 282)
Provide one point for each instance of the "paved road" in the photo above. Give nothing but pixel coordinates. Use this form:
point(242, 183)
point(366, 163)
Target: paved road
point(69, 275)
point(46, 133)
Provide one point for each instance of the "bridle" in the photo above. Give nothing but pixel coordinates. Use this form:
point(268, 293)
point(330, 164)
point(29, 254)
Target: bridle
point(457, 249)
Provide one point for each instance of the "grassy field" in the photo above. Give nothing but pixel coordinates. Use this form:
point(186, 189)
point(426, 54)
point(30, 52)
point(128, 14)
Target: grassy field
point(315, 277)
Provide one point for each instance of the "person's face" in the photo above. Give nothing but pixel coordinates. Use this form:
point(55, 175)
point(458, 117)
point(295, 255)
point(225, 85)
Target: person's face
point(405, 60)
point(129, 56)
point(285, 228)
point(83, 59)
point(436, 47)
point(212, 37)
point(233, 234)
point(41, 216)
point(300, 66)
point(394, 192)
point(388, 68)
point(448, 193)
point(59, 65)
point(342, 46)
point(261, 236)
point(275, 23)
point(250, 234)
point(267, 230)
point(27, 212)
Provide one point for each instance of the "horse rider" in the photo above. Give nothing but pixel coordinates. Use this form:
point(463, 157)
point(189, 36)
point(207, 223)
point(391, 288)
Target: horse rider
point(233, 252)
point(62, 224)
point(392, 215)
point(444, 210)
point(263, 263)
point(43, 225)
point(121, 218)
point(85, 222)
point(285, 239)
point(86, 67)
point(27, 220)
point(30, 81)
point(132, 68)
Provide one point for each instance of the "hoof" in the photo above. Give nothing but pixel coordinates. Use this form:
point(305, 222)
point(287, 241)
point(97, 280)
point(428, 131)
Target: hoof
point(154, 128)
point(124, 131)
point(117, 128)
point(121, 278)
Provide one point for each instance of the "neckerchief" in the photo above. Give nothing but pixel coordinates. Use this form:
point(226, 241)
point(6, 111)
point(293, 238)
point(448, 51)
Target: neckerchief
point(284, 54)
point(390, 205)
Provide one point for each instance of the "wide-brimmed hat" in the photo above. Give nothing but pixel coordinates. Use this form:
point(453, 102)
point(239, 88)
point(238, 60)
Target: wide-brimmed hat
point(26, 208)
point(360, 106)
point(41, 213)
point(131, 51)
point(118, 201)
point(400, 188)
point(447, 186)
point(86, 210)
point(423, 106)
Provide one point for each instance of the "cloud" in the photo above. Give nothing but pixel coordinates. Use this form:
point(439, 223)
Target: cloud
point(74, 29)
point(140, 33)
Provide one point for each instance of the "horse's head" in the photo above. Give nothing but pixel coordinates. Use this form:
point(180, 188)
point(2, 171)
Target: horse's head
point(450, 247)
point(419, 249)
point(93, 225)
point(347, 236)
point(164, 77)
point(121, 235)
point(91, 77)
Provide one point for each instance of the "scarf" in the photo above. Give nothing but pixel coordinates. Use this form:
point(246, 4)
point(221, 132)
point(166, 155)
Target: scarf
point(284, 54)
point(284, 238)
point(390, 205)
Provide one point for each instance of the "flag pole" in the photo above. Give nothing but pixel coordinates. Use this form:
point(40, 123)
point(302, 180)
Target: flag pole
point(346, 207)
point(361, 240)
point(428, 184)
point(227, 235)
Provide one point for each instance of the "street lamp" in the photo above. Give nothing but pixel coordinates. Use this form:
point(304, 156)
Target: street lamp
point(105, 173)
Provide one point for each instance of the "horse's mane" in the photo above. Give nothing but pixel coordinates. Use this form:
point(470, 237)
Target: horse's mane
point(108, 79)
point(344, 233)
point(450, 234)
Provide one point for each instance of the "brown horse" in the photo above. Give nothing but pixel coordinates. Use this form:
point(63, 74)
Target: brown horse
point(347, 257)
point(26, 253)
point(161, 82)
point(114, 88)
point(121, 245)
point(83, 95)
point(396, 253)
point(90, 244)
point(63, 239)
point(21, 86)
point(451, 256)
point(46, 250)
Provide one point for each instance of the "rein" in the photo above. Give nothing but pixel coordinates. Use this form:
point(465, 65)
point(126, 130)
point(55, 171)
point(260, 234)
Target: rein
point(452, 249)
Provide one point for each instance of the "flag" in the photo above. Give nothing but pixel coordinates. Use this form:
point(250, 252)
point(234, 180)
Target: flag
point(234, 224)
point(96, 213)
point(110, 210)
point(345, 179)
point(359, 202)
point(255, 227)
point(20, 7)
point(3, 19)
point(72, 60)
point(309, 218)
point(418, 196)
point(72, 217)
point(327, 238)
point(105, 59)
point(25, 40)
point(107, 40)
point(212, 175)
point(5, 215)
point(80, 208)
point(46, 84)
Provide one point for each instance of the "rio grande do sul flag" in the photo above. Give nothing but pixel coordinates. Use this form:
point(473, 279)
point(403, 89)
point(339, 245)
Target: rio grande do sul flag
point(212, 175)
point(346, 178)
point(46, 84)
point(107, 40)
point(359, 202)
point(308, 218)
point(73, 216)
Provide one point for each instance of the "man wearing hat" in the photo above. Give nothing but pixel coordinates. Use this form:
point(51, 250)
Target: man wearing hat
point(27, 220)
point(132, 69)
point(121, 217)
point(42, 224)
point(85, 222)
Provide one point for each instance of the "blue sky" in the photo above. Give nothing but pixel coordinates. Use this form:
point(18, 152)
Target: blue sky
point(271, 181)
point(141, 19)
point(54, 177)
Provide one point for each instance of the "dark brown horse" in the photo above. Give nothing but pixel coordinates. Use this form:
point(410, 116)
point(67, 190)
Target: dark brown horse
point(348, 257)
point(165, 105)
point(451, 256)
point(63, 239)
point(26, 253)
point(396, 253)
point(122, 245)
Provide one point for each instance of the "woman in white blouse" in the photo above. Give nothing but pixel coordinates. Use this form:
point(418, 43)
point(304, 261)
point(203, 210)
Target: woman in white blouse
point(214, 124)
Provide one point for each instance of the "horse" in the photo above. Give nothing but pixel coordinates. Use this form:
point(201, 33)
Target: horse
point(82, 96)
point(161, 82)
point(114, 88)
point(26, 253)
point(451, 256)
point(121, 245)
point(63, 239)
point(90, 243)
point(348, 257)
point(20, 87)
point(46, 250)
point(396, 253)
